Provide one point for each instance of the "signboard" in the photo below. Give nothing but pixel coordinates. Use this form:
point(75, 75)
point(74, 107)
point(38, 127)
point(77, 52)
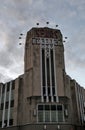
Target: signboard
point(39, 40)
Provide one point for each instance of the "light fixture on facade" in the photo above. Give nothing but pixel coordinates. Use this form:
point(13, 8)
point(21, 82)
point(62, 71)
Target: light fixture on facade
point(44, 127)
point(56, 26)
point(34, 112)
point(21, 34)
point(66, 37)
point(37, 24)
point(66, 112)
point(64, 41)
point(58, 127)
point(20, 43)
point(47, 23)
point(20, 37)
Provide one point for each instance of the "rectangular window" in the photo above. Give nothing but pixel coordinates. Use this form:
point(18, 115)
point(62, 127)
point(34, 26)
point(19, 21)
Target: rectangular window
point(44, 91)
point(40, 107)
point(2, 106)
point(53, 107)
point(3, 88)
point(53, 90)
point(44, 98)
point(12, 103)
point(54, 98)
point(49, 98)
point(13, 84)
point(40, 116)
point(11, 122)
point(5, 123)
point(8, 86)
point(1, 115)
point(59, 107)
point(60, 113)
point(47, 116)
point(7, 96)
point(50, 113)
point(6, 114)
point(60, 116)
point(47, 107)
point(52, 68)
point(0, 123)
point(53, 116)
point(7, 104)
point(48, 73)
point(12, 95)
point(49, 91)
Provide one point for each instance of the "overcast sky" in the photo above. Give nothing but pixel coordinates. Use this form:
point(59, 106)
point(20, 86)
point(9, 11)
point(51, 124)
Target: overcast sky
point(18, 16)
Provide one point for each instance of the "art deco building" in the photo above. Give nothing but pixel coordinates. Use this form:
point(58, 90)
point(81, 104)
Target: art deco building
point(44, 94)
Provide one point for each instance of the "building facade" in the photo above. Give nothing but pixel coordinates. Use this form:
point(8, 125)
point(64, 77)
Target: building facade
point(44, 94)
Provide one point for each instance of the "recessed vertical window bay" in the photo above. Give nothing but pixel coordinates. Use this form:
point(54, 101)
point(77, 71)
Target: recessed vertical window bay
point(52, 68)
point(48, 73)
point(43, 68)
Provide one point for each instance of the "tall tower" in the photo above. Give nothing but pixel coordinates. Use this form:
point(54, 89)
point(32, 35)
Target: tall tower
point(44, 96)
point(44, 70)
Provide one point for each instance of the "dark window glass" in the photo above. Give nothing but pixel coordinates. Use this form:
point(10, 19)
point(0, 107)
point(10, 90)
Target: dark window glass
point(44, 98)
point(59, 107)
point(53, 107)
point(3, 88)
point(11, 122)
point(13, 84)
point(8, 86)
point(12, 103)
point(0, 123)
point(48, 73)
point(43, 67)
point(49, 98)
point(47, 107)
point(5, 123)
point(48, 90)
point(2, 106)
point(44, 90)
point(40, 107)
point(52, 68)
point(53, 89)
point(6, 105)
point(54, 99)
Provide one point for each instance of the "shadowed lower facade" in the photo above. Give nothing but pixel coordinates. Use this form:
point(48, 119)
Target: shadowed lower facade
point(44, 95)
